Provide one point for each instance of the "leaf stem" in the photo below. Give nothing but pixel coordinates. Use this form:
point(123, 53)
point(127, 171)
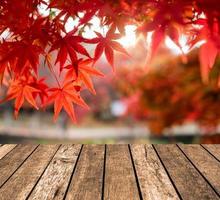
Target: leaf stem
point(53, 73)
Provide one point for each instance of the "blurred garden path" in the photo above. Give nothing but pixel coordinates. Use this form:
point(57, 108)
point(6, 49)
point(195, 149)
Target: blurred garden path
point(76, 133)
point(37, 126)
point(85, 133)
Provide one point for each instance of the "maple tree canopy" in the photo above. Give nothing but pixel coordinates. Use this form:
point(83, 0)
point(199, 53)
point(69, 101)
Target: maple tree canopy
point(31, 40)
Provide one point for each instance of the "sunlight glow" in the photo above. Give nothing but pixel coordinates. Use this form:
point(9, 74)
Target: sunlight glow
point(130, 37)
point(4, 34)
point(174, 48)
point(129, 40)
point(149, 39)
point(89, 32)
point(183, 43)
point(71, 23)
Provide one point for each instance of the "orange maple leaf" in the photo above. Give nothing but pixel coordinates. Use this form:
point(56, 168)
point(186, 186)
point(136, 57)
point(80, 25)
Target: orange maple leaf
point(21, 90)
point(81, 71)
point(69, 46)
point(64, 97)
point(107, 45)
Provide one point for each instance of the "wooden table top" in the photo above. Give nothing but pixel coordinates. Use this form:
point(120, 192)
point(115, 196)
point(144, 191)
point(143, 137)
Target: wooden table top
point(116, 172)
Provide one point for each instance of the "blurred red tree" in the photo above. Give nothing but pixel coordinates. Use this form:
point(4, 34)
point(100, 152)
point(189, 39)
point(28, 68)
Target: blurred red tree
point(29, 35)
point(171, 94)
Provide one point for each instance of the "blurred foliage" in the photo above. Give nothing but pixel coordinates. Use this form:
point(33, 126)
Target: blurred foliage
point(171, 93)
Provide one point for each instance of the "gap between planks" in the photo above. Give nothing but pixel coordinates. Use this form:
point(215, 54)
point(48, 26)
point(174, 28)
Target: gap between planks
point(204, 163)
point(131, 165)
point(5, 149)
point(184, 174)
point(28, 174)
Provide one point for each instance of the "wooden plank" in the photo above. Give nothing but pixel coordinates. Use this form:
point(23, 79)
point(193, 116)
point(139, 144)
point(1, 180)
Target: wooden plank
point(4, 149)
point(54, 181)
point(13, 160)
point(214, 149)
point(189, 183)
point(87, 179)
point(153, 179)
point(21, 183)
point(205, 163)
point(120, 180)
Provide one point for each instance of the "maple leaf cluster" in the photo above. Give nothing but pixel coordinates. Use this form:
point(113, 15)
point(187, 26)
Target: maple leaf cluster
point(32, 40)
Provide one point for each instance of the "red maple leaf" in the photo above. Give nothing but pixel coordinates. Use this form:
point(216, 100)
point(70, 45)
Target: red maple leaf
point(64, 97)
point(28, 35)
point(107, 45)
point(81, 71)
point(158, 37)
point(210, 49)
point(207, 55)
point(42, 87)
point(69, 46)
point(21, 89)
point(20, 56)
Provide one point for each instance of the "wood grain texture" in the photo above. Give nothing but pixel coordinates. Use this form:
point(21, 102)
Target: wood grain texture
point(153, 179)
point(72, 172)
point(205, 163)
point(87, 180)
point(213, 149)
point(21, 183)
point(4, 149)
point(190, 184)
point(120, 180)
point(10, 162)
point(54, 182)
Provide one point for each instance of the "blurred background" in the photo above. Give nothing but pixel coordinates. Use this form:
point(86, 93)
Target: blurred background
point(164, 101)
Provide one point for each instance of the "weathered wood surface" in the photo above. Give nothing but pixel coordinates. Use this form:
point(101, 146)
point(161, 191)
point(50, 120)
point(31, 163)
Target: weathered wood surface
point(87, 180)
point(213, 149)
point(11, 162)
point(153, 179)
point(120, 180)
point(57, 175)
point(204, 162)
point(117, 172)
point(28, 174)
point(188, 181)
point(5, 149)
